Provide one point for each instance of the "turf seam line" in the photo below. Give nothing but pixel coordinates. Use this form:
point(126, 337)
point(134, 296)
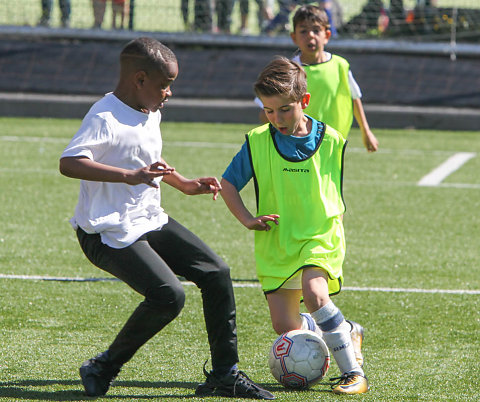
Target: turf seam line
point(244, 284)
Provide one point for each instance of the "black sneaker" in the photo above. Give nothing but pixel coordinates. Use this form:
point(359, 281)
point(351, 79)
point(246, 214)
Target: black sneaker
point(97, 374)
point(234, 384)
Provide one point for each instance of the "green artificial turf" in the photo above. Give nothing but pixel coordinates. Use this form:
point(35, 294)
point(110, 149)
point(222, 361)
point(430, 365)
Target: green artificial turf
point(412, 258)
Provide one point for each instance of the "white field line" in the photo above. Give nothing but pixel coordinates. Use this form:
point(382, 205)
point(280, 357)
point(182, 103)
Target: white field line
point(12, 138)
point(224, 145)
point(459, 185)
point(196, 144)
point(54, 140)
point(245, 285)
point(206, 144)
point(437, 175)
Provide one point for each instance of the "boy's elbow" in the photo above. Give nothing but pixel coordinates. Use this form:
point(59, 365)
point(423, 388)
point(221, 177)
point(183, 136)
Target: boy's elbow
point(61, 166)
point(65, 168)
point(224, 183)
point(228, 189)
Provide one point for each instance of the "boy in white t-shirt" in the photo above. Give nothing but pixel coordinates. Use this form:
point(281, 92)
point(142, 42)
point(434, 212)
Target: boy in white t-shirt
point(123, 230)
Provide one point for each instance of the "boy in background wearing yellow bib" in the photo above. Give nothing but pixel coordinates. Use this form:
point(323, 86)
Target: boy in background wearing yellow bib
point(296, 163)
point(335, 95)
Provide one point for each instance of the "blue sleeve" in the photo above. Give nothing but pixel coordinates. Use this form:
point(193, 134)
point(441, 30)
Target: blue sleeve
point(239, 172)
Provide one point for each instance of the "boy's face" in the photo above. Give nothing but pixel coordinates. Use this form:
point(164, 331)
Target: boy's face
point(310, 37)
point(154, 87)
point(283, 113)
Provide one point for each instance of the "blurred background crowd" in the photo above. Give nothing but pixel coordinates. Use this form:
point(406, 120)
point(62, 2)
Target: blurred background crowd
point(422, 19)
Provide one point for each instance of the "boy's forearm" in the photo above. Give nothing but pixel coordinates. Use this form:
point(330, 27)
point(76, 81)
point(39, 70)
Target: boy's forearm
point(176, 180)
point(86, 169)
point(360, 116)
point(234, 202)
point(368, 138)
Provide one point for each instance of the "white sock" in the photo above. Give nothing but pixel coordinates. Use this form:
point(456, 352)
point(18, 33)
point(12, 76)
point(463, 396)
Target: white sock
point(309, 323)
point(336, 334)
point(340, 344)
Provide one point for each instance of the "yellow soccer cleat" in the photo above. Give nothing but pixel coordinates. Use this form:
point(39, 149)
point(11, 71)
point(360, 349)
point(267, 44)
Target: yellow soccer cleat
point(350, 384)
point(356, 334)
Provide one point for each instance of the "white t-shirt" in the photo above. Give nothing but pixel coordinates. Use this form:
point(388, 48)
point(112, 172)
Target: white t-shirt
point(114, 134)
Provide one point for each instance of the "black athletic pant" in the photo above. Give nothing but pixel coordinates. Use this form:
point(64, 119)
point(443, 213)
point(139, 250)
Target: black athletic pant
point(150, 266)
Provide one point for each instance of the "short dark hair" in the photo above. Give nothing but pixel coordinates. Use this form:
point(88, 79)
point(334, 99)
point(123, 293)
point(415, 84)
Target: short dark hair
point(147, 54)
point(282, 77)
point(311, 13)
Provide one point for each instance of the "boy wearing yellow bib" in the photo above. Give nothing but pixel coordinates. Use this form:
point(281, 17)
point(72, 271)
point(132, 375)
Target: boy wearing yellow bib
point(336, 97)
point(296, 163)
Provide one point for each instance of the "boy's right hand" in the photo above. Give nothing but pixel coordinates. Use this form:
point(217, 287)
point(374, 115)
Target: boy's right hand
point(260, 222)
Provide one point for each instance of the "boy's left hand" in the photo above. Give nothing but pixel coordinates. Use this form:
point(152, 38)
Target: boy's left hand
point(208, 185)
point(260, 222)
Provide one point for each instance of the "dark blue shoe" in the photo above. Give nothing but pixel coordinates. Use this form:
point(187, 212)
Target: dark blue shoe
point(98, 374)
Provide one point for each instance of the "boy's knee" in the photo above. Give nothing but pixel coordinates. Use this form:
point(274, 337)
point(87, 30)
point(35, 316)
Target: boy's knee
point(285, 325)
point(279, 328)
point(220, 277)
point(167, 297)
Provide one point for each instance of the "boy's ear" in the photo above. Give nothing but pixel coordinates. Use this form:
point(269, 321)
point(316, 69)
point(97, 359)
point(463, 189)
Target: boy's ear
point(305, 100)
point(328, 34)
point(294, 38)
point(139, 78)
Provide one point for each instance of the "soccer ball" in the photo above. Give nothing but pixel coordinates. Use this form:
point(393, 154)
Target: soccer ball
point(299, 359)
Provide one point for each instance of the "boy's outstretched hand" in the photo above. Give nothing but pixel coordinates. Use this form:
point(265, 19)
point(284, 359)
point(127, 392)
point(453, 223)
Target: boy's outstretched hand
point(206, 185)
point(260, 222)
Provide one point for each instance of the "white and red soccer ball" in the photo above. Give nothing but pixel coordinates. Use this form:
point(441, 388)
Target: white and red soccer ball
point(299, 359)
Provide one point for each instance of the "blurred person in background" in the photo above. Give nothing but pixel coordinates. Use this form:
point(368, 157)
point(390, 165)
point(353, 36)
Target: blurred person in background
point(335, 14)
point(280, 23)
point(119, 12)
point(224, 10)
point(425, 17)
point(335, 95)
point(264, 14)
point(65, 9)
point(98, 12)
point(397, 17)
point(203, 20)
